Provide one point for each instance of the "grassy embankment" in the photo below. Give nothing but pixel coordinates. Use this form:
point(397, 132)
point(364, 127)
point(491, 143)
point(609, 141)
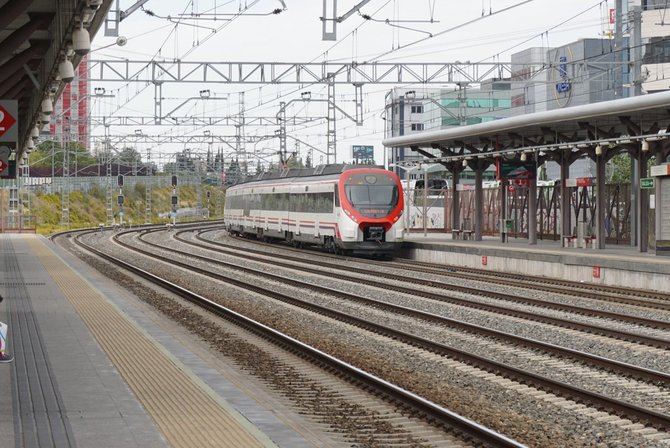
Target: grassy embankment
point(89, 209)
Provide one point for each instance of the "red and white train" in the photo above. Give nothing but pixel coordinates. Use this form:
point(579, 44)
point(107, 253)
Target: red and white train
point(349, 209)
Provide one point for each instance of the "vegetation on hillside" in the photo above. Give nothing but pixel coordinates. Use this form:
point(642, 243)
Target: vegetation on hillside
point(90, 209)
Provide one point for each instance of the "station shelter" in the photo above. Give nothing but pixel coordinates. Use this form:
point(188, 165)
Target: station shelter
point(582, 212)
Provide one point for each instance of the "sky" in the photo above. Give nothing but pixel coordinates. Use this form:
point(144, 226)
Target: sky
point(294, 35)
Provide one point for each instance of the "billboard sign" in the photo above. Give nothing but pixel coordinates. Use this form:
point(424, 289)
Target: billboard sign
point(564, 85)
point(515, 169)
point(362, 153)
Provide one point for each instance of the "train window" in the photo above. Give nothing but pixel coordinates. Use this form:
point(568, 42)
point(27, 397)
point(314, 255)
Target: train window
point(337, 197)
point(294, 202)
point(373, 199)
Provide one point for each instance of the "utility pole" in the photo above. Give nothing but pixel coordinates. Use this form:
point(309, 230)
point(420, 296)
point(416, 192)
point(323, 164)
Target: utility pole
point(635, 89)
point(148, 189)
point(282, 132)
point(618, 48)
point(331, 149)
point(65, 187)
point(109, 190)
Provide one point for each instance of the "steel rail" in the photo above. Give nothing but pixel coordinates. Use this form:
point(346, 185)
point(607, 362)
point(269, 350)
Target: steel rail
point(599, 401)
point(611, 365)
point(441, 297)
point(651, 323)
point(430, 410)
point(524, 280)
point(595, 291)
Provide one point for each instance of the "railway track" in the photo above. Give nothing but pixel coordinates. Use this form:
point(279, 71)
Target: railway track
point(277, 260)
point(628, 296)
point(612, 405)
point(580, 356)
point(432, 412)
point(651, 323)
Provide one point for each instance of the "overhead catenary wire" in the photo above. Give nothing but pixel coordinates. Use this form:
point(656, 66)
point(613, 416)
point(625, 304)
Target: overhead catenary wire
point(448, 30)
point(285, 94)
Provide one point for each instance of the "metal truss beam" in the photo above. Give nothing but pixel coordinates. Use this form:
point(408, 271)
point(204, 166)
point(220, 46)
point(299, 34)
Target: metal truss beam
point(302, 73)
point(181, 139)
point(139, 120)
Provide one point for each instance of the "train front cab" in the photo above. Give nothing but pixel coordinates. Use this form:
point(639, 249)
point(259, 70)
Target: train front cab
point(371, 203)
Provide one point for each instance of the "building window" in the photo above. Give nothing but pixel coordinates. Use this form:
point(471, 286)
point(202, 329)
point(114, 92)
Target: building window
point(648, 5)
point(417, 126)
point(416, 109)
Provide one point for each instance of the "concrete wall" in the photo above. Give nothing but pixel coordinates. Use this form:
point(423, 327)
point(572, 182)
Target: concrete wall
point(614, 271)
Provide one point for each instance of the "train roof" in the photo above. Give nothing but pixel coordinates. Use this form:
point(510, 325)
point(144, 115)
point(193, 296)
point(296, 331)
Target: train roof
point(317, 171)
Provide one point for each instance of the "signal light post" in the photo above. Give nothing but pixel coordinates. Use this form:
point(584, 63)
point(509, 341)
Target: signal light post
point(119, 199)
point(174, 199)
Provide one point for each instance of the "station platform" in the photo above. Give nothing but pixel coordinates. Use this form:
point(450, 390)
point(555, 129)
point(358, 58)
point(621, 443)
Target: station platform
point(615, 266)
point(93, 369)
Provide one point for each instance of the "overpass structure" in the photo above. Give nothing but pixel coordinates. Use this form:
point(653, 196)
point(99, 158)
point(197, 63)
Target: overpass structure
point(638, 126)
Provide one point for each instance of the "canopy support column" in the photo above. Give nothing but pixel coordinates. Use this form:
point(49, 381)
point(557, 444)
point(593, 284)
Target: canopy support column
point(455, 201)
point(532, 210)
point(565, 197)
point(479, 203)
point(601, 163)
point(642, 202)
point(503, 210)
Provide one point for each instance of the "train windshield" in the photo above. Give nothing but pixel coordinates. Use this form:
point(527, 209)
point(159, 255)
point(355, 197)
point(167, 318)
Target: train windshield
point(373, 195)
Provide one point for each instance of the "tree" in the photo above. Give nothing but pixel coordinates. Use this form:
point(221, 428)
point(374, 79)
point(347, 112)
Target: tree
point(620, 169)
point(259, 167)
point(233, 172)
point(41, 157)
point(295, 162)
point(129, 155)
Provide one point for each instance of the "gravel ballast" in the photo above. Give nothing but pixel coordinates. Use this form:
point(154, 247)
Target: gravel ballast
point(519, 413)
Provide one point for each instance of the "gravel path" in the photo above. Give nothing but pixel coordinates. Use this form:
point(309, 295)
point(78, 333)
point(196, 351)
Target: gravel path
point(533, 417)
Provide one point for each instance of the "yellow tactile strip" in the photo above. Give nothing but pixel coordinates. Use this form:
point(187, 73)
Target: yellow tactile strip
point(186, 414)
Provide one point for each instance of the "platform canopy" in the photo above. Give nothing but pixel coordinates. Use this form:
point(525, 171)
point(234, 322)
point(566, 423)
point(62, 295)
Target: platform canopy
point(34, 37)
point(615, 123)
